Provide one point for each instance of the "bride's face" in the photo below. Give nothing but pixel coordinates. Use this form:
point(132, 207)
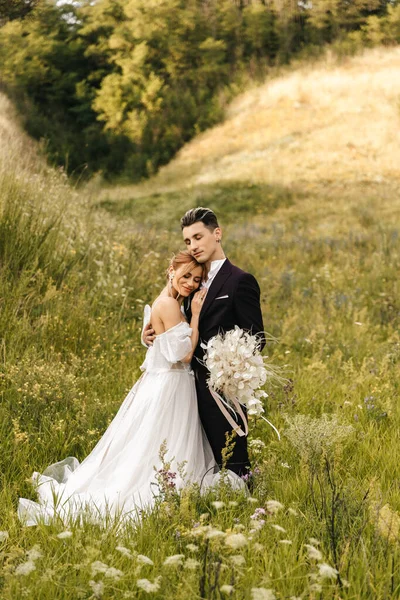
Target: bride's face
point(186, 282)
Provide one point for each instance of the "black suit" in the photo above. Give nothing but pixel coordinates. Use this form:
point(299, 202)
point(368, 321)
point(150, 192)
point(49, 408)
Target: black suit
point(240, 306)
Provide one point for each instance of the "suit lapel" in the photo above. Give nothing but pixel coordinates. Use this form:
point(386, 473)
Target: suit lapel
point(219, 280)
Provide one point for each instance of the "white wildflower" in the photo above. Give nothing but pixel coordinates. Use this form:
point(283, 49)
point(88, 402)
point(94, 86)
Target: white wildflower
point(257, 446)
point(232, 503)
point(273, 506)
point(174, 561)
point(34, 553)
point(144, 560)
point(279, 528)
point(25, 568)
point(214, 533)
point(293, 511)
point(262, 594)
point(4, 535)
point(313, 552)
point(113, 573)
point(252, 500)
point(191, 564)
point(98, 567)
point(192, 547)
point(327, 572)
point(286, 542)
point(148, 586)
point(238, 560)
point(236, 540)
point(226, 589)
point(64, 535)
point(97, 588)
point(257, 547)
point(218, 504)
point(314, 541)
point(124, 551)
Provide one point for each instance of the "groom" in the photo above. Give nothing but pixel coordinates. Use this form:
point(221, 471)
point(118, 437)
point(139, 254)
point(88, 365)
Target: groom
point(233, 298)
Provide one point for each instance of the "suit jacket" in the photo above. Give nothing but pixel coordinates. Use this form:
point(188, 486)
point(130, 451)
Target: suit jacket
point(232, 299)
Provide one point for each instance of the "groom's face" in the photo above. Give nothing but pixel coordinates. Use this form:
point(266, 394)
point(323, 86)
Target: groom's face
point(201, 242)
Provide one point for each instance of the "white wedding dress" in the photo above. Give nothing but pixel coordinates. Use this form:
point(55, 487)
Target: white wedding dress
point(118, 476)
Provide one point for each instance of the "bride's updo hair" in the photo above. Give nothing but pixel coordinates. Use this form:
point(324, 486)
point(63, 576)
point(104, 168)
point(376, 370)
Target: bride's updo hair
point(185, 259)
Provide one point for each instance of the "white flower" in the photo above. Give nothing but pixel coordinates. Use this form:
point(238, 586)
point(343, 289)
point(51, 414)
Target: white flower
point(148, 586)
point(262, 594)
point(293, 511)
point(227, 589)
point(144, 560)
point(64, 535)
point(278, 528)
point(313, 552)
point(111, 572)
point(237, 369)
point(257, 547)
point(97, 588)
point(238, 560)
point(286, 542)
point(34, 553)
point(273, 506)
point(174, 561)
point(192, 547)
point(218, 504)
point(4, 535)
point(236, 540)
point(124, 551)
point(214, 533)
point(98, 567)
point(314, 541)
point(327, 572)
point(191, 564)
point(232, 503)
point(252, 500)
point(25, 568)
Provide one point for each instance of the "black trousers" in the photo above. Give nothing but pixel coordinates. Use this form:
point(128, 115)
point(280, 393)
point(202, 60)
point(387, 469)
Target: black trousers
point(215, 426)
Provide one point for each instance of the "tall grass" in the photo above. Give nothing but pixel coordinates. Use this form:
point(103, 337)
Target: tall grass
point(77, 266)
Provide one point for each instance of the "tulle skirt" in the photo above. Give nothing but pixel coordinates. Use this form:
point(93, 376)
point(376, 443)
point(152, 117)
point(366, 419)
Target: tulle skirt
point(118, 478)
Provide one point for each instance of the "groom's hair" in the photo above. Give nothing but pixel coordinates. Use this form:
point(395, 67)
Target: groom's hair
point(205, 215)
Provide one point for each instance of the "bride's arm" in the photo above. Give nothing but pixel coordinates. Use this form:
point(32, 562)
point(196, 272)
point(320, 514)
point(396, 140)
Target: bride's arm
point(196, 304)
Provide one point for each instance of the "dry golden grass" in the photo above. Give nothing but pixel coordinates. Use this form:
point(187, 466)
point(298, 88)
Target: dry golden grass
point(329, 131)
point(331, 122)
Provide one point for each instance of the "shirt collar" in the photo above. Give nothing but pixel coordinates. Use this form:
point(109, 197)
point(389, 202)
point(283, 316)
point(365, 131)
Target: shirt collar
point(215, 267)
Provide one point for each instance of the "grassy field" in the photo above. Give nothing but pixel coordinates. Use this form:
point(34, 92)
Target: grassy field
point(304, 174)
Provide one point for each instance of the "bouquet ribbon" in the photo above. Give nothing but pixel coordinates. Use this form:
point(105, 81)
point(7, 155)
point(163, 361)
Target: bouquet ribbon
point(236, 406)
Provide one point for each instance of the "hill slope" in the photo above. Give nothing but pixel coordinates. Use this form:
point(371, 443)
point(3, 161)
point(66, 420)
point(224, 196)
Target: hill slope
point(328, 122)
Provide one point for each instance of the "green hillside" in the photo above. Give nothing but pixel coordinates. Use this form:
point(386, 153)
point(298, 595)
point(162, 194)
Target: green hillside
point(304, 176)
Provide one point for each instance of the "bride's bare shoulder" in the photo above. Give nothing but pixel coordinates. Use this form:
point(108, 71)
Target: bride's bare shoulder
point(165, 304)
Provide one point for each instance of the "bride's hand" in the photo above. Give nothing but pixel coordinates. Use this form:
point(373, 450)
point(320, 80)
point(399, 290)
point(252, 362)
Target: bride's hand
point(197, 302)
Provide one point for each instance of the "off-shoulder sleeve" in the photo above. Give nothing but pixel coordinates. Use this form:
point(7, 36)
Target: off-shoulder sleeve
point(176, 343)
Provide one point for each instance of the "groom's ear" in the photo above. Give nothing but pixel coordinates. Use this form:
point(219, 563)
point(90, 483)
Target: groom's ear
point(218, 234)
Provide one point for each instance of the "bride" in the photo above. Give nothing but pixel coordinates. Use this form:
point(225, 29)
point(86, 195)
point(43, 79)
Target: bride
point(119, 476)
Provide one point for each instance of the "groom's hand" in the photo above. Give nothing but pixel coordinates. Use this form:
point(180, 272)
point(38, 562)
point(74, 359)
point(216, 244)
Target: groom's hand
point(149, 335)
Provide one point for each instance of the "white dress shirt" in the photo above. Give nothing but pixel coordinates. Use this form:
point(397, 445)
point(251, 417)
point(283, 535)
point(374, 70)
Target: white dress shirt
point(214, 268)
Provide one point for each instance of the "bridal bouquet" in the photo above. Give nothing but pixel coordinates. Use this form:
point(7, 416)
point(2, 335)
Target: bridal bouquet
point(237, 372)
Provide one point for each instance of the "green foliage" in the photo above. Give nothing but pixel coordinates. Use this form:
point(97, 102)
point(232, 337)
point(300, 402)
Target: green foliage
point(118, 86)
point(74, 278)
